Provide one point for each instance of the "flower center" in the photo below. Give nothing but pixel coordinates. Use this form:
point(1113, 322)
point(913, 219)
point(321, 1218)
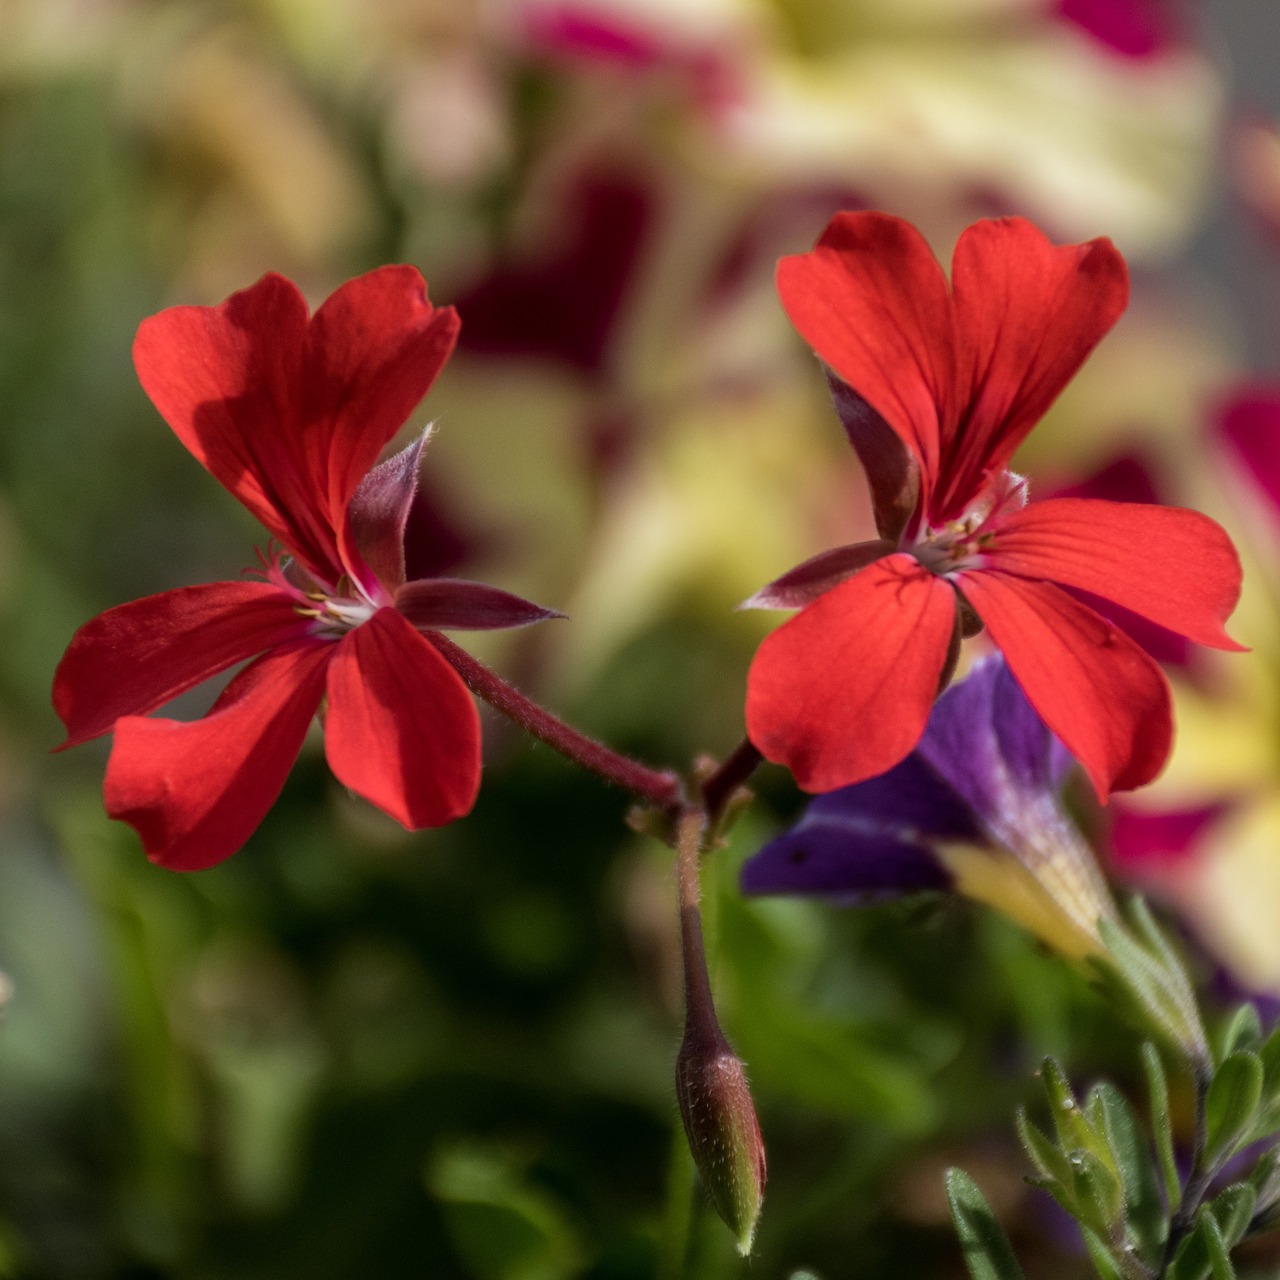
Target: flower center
point(958, 544)
point(335, 610)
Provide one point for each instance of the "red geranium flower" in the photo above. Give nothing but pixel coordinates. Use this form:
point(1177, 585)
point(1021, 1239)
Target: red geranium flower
point(290, 412)
point(937, 386)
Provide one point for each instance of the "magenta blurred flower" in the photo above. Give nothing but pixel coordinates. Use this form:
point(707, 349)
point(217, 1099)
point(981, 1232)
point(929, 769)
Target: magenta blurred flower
point(290, 412)
point(937, 386)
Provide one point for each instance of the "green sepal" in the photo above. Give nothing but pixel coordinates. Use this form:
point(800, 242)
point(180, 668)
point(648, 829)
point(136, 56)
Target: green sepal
point(1098, 1195)
point(1143, 1208)
point(987, 1252)
point(1075, 1129)
point(1231, 1106)
point(1144, 974)
point(1162, 1125)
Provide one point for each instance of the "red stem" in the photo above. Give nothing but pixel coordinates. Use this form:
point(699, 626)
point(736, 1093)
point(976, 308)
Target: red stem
point(660, 788)
point(737, 767)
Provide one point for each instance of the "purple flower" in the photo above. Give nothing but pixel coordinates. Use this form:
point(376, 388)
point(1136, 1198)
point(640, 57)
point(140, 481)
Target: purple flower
point(975, 808)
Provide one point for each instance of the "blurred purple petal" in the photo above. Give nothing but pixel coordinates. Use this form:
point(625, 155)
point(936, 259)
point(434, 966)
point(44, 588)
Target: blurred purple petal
point(806, 582)
point(841, 862)
point(867, 840)
point(454, 604)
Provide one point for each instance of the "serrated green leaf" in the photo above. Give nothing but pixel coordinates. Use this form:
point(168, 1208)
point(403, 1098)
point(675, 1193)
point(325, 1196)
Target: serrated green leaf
point(1231, 1106)
point(1103, 1262)
point(987, 1252)
point(1242, 1031)
point(1215, 1246)
point(1143, 1208)
point(1042, 1152)
point(1162, 1124)
point(1232, 1210)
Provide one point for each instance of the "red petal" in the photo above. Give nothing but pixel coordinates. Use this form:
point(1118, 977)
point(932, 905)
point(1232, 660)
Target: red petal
point(373, 350)
point(1026, 314)
point(196, 792)
point(454, 604)
point(402, 730)
point(289, 415)
point(1251, 425)
point(133, 659)
point(1092, 685)
point(226, 381)
point(802, 585)
point(872, 301)
point(842, 691)
point(1172, 566)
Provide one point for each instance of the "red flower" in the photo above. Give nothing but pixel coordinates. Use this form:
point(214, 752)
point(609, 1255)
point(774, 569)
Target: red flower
point(290, 412)
point(937, 387)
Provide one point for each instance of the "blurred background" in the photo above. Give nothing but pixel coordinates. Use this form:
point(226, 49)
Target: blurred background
point(350, 1051)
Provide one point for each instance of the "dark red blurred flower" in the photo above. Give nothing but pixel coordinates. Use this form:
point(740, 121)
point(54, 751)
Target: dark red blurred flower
point(290, 412)
point(937, 386)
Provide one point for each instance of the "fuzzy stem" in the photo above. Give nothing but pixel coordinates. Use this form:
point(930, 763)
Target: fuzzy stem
point(720, 786)
point(700, 1010)
point(659, 788)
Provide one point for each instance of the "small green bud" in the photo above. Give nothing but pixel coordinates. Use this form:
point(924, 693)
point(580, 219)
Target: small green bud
point(723, 1132)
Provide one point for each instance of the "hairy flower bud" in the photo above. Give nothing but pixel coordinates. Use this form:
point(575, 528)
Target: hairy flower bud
point(723, 1132)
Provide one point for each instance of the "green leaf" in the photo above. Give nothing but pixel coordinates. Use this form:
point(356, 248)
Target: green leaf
point(1144, 1210)
point(1231, 1106)
point(1162, 1125)
point(1232, 1210)
point(1104, 1262)
point(1215, 1246)
point(987, 1252)
point(1242, 1031)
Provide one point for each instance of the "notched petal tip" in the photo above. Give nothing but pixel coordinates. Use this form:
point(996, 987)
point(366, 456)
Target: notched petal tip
point(457, 604)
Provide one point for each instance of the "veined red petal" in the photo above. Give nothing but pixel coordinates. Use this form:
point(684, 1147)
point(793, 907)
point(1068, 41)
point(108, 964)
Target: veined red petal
point(135, 658)
point(842, 691)
point(1094, 687)
point(1172, 566)
point(1026, 312)
point(872, 301)
point(372, 352)
point(226, 380)
point(196, 792)
point(287, 413)
point(402, 730)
